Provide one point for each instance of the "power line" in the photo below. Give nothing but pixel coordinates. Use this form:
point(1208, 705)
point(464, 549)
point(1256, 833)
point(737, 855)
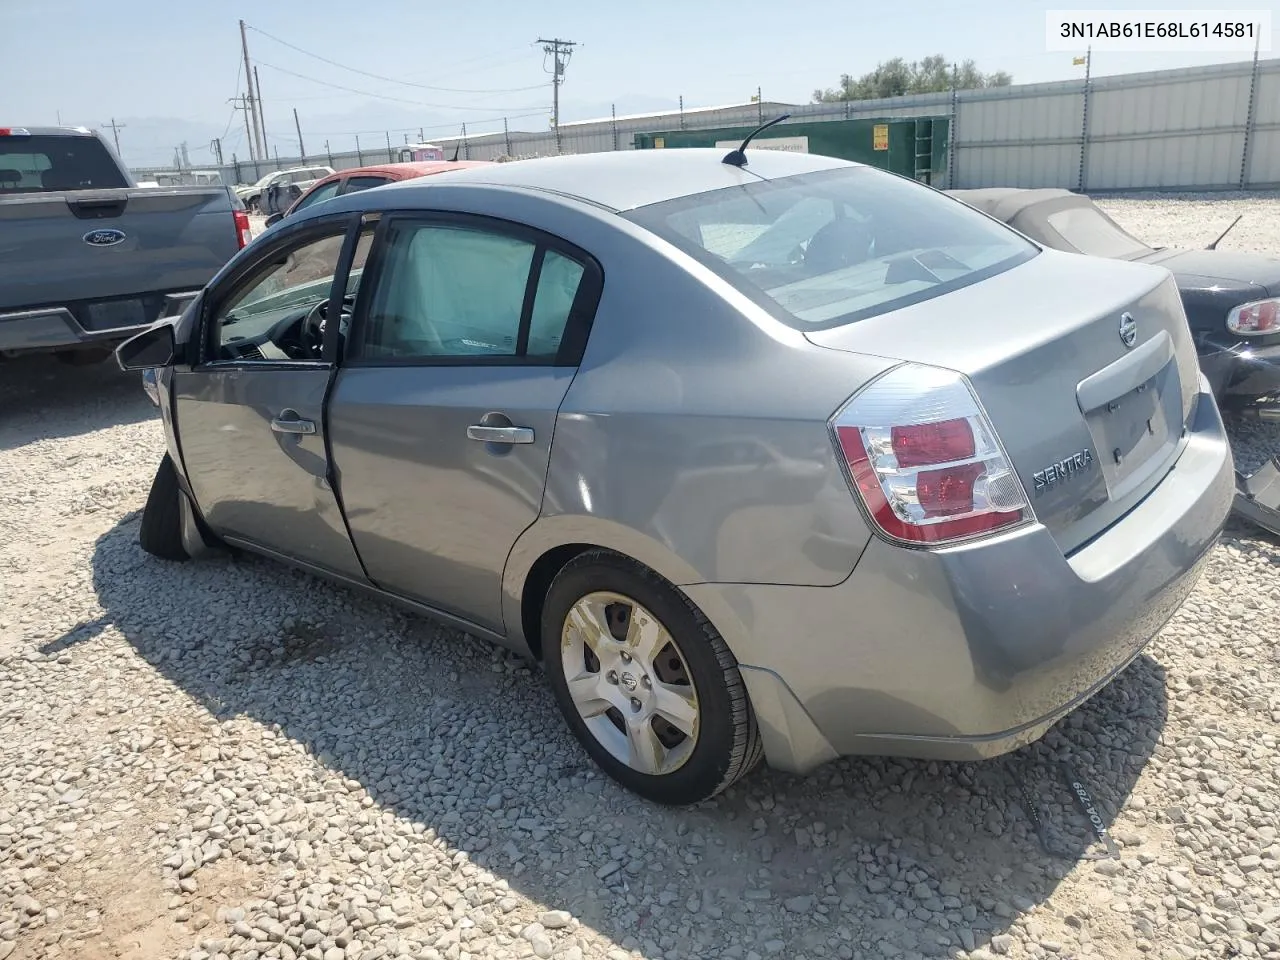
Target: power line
point(383, 96)
point(482, 58)
point(378, 76)
point(422, 129)
point(232, 119)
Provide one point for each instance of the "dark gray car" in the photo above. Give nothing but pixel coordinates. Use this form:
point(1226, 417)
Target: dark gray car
point(790, 457)
point(1232, 299)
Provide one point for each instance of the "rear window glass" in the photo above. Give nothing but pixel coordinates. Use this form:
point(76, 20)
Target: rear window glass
point(45, 164)
point(828, 248)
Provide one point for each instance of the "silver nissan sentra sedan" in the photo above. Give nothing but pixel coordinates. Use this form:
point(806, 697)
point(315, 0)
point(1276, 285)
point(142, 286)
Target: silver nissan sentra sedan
point(760, 455)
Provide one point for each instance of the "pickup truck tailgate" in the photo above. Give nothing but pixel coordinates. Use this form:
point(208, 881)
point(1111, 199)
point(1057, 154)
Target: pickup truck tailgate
point(93, 245)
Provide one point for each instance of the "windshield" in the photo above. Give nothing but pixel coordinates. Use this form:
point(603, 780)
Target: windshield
point(833, 247)
point(42, 164)
point(1091, 231)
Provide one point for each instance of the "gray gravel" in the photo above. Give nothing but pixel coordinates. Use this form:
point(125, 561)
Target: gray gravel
point(232, 760)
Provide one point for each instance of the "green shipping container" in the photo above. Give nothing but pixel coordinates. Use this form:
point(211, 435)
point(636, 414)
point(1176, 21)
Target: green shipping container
point(914, 147)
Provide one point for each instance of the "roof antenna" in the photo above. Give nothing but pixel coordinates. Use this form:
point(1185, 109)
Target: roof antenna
point(1214, 245)
point(737, 158)
point(455, 152)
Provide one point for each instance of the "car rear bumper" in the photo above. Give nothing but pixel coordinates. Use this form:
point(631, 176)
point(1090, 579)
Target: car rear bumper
point(972, 651)
point(1242, 374)
point(58, 328)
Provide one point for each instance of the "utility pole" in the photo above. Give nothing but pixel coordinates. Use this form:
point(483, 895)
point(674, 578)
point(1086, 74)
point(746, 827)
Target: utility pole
point(302, 151)
point(242, 103)
point(115, 131)
point(262, 107)
point(216, 147)
point(560, 51)
point(249, 75)
point(186, 158)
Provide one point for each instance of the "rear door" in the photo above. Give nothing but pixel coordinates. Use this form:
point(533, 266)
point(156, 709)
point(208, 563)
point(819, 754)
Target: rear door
point(250, 413)
point(467, 337)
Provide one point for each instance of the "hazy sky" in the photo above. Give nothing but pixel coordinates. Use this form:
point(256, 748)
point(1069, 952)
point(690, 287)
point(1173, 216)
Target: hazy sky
point(148, 60)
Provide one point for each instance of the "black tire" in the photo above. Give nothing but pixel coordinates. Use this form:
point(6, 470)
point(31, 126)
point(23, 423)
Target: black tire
point(728, 744)
point(160, 533)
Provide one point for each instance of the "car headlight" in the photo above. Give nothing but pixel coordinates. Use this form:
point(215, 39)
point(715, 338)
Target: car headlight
point(1255, 319)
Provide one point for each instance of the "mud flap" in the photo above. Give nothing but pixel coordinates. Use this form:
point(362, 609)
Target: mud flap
point(1258, 496)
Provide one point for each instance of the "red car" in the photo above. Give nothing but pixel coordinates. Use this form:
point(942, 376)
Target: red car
point(362, 178)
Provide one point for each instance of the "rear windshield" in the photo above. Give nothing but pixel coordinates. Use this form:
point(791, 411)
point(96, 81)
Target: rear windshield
point(44, 164)
point(828, 248)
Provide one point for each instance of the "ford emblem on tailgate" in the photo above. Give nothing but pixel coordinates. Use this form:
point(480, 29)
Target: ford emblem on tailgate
point(1128, 329)
point(104, 237)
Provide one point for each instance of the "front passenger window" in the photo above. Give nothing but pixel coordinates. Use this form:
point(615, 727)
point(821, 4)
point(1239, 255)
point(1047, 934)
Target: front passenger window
point(455, 292)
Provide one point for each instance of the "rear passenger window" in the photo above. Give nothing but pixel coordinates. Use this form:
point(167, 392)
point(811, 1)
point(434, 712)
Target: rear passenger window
point(558, 285)
point(453, 292)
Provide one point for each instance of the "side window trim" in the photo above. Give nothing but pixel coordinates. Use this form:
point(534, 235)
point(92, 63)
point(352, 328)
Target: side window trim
point(299, 235)
point(577, 327)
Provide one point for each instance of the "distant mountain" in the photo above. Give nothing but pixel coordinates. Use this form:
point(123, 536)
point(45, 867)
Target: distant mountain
point(152, 141)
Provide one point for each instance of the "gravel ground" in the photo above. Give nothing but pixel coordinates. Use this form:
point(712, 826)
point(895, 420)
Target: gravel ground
point(227, 759)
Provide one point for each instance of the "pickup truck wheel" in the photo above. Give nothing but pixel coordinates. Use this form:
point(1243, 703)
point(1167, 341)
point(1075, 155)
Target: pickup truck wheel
point(160, 533)
point(645, 682)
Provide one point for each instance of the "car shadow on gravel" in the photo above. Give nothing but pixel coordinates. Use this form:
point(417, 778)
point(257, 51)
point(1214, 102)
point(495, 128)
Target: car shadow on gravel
point(43, 398)
point(440, 729)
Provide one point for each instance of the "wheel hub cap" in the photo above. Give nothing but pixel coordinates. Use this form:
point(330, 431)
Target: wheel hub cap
point(630, 683)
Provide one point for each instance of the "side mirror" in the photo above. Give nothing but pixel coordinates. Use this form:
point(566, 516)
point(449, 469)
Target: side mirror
point(148, 350)
point(274, 219)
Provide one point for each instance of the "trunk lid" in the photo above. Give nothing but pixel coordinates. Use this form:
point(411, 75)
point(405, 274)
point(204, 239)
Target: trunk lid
point(147, 240)
point(1091, 421)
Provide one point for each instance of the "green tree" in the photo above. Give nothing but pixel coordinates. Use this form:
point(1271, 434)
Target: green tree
point(896, 77)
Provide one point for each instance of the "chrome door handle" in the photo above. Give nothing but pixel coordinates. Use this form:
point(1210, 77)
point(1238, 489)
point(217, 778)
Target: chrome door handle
point(500, 434)
point(293, 425)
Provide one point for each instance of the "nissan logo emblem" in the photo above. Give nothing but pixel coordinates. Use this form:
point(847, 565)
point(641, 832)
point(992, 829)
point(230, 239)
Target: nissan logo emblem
point(1128, 329)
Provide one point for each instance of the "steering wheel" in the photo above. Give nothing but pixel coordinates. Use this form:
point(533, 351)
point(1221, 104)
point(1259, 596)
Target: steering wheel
point(311, 330)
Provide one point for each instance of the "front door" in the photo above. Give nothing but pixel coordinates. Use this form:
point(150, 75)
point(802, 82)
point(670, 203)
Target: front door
point(250, 414)
point(441, 419)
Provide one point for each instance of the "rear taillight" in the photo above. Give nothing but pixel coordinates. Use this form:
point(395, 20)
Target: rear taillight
point(1255, 319)
point(14, 132)
point(925, 460)
point(244, 233)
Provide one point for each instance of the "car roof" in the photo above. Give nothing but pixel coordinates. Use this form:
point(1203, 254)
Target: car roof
point(52, 131)
point(416, 168)
point(400, 171)
point(626, 179)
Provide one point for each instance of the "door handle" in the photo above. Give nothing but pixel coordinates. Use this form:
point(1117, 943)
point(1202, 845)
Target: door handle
point(486, 434)
point(293, 424)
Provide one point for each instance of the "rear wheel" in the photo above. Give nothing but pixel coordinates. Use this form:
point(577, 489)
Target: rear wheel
point(645, 682)
point(161, 531)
